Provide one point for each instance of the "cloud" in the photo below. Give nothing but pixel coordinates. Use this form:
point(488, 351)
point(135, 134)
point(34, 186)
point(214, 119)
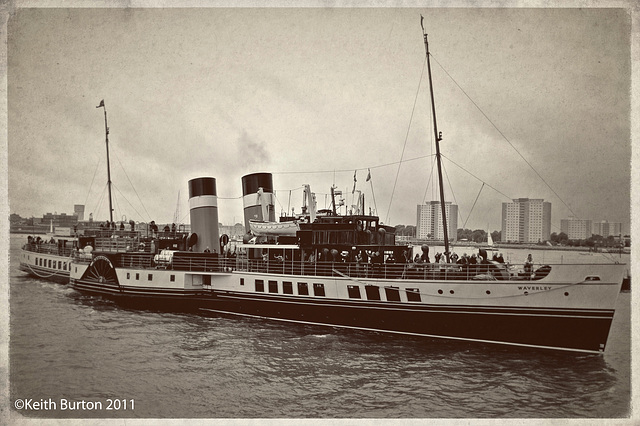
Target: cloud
point(252, 152)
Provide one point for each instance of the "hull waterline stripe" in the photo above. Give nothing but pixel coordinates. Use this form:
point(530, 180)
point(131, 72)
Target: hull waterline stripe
point(431, 309)
point(404, 332)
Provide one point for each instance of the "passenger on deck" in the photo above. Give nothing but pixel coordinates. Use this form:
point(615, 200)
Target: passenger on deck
point(122, 226)
point(437, 257)
point(153, 227)
point(500, 258)
point(417, 258)
point(454, 258)
point(528, 264)
point(425, 255)
point(207, 250)
point(173, 228)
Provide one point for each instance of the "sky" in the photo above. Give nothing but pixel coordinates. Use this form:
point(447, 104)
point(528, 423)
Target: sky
point(532, 103)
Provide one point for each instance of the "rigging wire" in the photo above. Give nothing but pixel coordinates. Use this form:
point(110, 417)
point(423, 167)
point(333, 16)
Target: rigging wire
point(117, 206)
point(426, 189)
point(92, 179)
point(130, 183)
point(474, 204)
point(452, 193)
point(351, 170)
point(99, 203)
point(505, 138)
point(406, 138)
point(125, 198)
point(498, 191)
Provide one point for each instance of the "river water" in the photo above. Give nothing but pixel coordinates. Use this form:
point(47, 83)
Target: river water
point(77, 356)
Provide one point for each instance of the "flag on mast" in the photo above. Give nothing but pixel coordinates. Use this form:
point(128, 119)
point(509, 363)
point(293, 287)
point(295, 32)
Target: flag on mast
point(101, 104)
point(354, 182)
point(368, 175)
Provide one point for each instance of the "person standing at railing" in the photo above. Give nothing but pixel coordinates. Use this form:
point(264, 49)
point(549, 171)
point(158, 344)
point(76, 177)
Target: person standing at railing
point(528, 265)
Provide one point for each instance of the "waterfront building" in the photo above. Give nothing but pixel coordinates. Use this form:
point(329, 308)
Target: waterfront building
point(576, 229)
point(604, 228)
point(429, 222)
point(526, 220)
point(78, 210)
point(233, 231)
point(62, 219)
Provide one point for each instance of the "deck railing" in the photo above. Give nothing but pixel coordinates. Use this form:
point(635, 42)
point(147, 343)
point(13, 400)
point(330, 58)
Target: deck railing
point(48, 248)
point(413, 271)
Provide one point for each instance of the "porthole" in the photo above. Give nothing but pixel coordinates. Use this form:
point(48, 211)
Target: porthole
point(526, 293)
point(451, 291)
point(488, 291)
point(566, 293)
point(439, 291)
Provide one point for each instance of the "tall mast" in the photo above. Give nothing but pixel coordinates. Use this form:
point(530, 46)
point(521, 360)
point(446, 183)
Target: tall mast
point(106, 129)
point(438, 136)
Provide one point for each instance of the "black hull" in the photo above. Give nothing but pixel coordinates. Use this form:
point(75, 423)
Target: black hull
point(61, 277)
point(573, 330)
point(144, 298)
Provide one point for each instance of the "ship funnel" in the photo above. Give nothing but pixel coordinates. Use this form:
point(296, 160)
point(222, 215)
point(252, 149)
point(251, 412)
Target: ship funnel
point(203, 211)
point(257, 198)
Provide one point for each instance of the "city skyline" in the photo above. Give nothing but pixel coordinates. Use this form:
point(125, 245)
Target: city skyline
point(319, 95)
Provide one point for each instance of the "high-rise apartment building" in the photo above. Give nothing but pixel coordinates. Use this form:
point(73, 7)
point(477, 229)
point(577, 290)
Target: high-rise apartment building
point(605, 228)
point(430, 221)
point(526, 220)
point(576, 229)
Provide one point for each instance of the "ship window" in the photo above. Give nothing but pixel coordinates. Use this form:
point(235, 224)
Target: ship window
point(273, 286)
point(354, 291)
point(206, 280)
point(373, 292)
point(259, 285)
point(37, 261)
point(172, 278)
point(303, 289)
point(392, 293)
point(241, 281)
point(318, 289)
point(64, 266)
point(150, 277)
point(49, 263)
point(287, 287)
point(59, 264)
point(592, 278)
point(128, 275)
point(413, 295)
point(137, 276)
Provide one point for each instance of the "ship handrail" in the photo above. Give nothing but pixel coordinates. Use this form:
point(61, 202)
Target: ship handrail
point(198, 262)
point(48, 248)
